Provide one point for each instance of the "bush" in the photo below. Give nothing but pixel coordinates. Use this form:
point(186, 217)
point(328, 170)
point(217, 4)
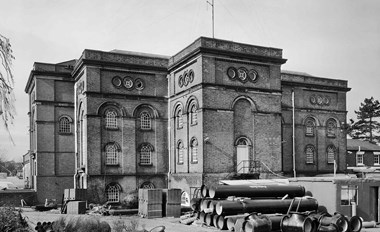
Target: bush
point(81, 224)
point(11, 220)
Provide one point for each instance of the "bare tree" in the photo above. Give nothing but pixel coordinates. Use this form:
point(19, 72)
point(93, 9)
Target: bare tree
point(7, 99)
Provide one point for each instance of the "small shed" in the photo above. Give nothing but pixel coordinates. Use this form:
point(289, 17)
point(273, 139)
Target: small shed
point(347, 195)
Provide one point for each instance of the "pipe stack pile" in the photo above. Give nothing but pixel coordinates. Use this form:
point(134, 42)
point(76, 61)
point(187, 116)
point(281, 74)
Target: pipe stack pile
point(264, 208)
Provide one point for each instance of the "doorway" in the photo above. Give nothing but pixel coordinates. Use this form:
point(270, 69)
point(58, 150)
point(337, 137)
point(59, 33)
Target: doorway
point(242, 156)
point(375, 198)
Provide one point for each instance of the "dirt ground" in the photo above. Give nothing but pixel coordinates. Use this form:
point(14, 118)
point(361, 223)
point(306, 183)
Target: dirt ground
point(171, 224)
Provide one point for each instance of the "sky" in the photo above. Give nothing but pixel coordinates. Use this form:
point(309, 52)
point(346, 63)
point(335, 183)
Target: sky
point(338, 39)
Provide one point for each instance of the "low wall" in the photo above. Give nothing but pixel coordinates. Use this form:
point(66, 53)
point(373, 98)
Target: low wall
point(14, 197)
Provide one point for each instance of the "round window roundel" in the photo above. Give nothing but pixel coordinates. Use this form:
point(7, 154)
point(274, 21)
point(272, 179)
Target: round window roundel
point(253, 75)
point(242, 74)
point(128, 82)
point(191, 75)
point(231, 72)
point(186, 79)
point(139, 84)
point(116, 81)
point(313, 99)
point(180, 81)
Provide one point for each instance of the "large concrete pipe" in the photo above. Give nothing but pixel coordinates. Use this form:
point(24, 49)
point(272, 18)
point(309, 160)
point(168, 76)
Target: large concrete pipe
point(264, 206)
point(255, 223)
point(297, 222)
point(256, 191)
point(275, 220)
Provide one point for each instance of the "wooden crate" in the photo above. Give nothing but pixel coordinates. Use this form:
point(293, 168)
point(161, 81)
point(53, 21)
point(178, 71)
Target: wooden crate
point(172, 196)
point(153, 196)
point(172, 210)
point(76, 207)
point(78, 195)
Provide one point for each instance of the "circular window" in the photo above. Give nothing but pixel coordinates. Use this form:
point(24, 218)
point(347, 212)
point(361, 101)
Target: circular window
point(319, 100)
point(253, 75)
point(128, 82)
point(326, 100)
point(139, 84)
point(231, 72)
point(186, 79)
point(313, 99)
point(180, 81)
point(243, 74)
point(191, 75)
point(116, 81)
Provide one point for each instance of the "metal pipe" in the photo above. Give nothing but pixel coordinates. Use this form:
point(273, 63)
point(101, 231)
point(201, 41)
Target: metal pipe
point(231, 221)
point(337, 219)
point(265, 206)
point(294, 136)
point(356, 224)
point(257, 223)
point(297, 222)
point(221, 222)
point(204, 191)
point(256, 191)
point(209, 220)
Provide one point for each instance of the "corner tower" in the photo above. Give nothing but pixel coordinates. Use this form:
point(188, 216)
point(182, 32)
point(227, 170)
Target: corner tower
point(225, 110)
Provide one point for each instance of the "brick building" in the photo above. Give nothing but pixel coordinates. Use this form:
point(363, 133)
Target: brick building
point(362, 156)
point(51, 163)
point(215, 109)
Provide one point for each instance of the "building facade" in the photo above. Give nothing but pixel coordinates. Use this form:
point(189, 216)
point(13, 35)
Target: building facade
point(214, 110)
point(362, 156)
point(50, 158)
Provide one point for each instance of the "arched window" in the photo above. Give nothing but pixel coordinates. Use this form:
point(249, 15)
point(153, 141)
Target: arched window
point(331, 128)
point(113, 192)
point(309, 152)
point(331, 154)
point(193, 114)
point(194, 150)
point(145, 121)
point(64, 125)
point(112, 154)
point(310, 127)
point(179, 117)
point(146, 154)
point(180, 152)
point(147, 185)
point(111, 119)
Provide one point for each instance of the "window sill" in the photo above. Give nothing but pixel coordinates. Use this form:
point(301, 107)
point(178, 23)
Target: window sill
point(193, 124)
point(112, 128)
point(146, 130)
point(146, 164)
point(180, 163)
point(194, 162)
point(113, 165)
point(331, 136)
point(309, 135)
point(65, 133)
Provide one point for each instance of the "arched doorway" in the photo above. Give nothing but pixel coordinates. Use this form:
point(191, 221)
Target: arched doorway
point(242, 155)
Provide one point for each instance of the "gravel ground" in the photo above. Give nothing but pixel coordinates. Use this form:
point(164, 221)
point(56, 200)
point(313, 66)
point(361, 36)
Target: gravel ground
point(171, 224)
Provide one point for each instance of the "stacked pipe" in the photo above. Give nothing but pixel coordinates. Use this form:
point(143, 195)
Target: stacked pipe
point(257, 208)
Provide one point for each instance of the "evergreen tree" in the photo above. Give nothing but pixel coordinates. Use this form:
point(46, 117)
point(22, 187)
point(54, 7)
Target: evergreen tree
point(367, 127)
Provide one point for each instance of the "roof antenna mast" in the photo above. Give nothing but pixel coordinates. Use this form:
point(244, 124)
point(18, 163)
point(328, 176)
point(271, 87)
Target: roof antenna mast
point(212, 5)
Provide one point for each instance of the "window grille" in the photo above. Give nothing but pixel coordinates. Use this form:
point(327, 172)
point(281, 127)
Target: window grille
point(112, 154)
point(179, 119)
point(330, 154)
point(331, 128)
point(145, 121)
point(310, 127)
point(145, 155)
point(64, 125)
point(194, 151)
point(194, 115)
point(113, 193)
point(180, 152)
point(309, 154)
point(111, 121)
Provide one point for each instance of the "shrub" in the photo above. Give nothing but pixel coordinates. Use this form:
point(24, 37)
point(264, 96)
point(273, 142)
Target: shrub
point(11, 220)
point(81, 224)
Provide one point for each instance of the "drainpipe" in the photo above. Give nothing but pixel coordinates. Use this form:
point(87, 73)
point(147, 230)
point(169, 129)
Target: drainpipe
point(294, 136)
point(169, 136)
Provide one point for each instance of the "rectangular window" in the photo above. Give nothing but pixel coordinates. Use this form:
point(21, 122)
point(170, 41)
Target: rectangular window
point(349, 195)
point(376, 158)
point(180, 156)
point(145, 158)
point(359, 158)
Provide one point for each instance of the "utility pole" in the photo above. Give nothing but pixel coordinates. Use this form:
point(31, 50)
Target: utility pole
point(212, 5)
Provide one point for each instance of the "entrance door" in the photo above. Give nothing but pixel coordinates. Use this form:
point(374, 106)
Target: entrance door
point(375, 198)
point(242, 159)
